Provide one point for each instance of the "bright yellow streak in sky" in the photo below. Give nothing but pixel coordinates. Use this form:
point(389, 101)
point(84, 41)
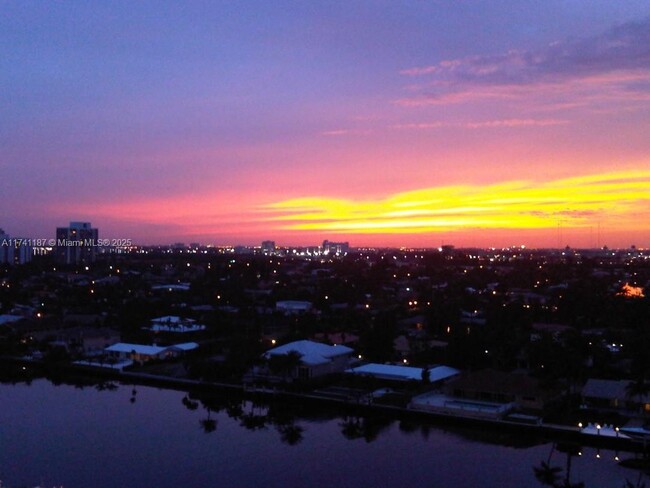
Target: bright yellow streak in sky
point(620, 200)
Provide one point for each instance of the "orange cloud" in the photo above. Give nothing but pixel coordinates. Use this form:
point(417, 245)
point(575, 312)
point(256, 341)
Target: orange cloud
point(620, 199)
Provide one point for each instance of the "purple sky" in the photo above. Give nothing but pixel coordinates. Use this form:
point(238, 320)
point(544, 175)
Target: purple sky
point(233, 122)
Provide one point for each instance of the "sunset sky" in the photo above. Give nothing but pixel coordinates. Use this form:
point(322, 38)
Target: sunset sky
point(384, 123)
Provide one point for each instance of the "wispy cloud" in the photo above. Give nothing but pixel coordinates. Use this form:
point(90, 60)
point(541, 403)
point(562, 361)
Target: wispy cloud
point(486, 124)
point(344, 132)
point(618, 60)
point(621, 198)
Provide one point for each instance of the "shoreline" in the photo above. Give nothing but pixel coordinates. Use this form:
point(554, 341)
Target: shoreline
point(546, 431)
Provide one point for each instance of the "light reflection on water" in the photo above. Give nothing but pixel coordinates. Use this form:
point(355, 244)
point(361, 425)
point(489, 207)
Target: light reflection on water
point(146, 437)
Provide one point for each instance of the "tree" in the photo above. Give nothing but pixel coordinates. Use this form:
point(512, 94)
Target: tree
point(285, 364)
point(639, 483)
point(208, 424)
point(570, 450)
point(426, 376)
point(190, 404)
point(551, 475)
point(291, 433)
point(546, 474)
point(639, 389)
point(294, 360)
point(351, 428)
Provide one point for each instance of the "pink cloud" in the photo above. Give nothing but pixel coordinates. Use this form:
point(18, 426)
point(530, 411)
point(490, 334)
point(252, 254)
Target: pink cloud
point(615, 64)
point(344, 132)
point(483, 124)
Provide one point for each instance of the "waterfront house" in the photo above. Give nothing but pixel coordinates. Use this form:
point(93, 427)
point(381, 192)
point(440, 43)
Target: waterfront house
point(314, 359)
point(613, 395)
point(136, 352)
point(396, 373)
point(142, 353)
point(500, 387)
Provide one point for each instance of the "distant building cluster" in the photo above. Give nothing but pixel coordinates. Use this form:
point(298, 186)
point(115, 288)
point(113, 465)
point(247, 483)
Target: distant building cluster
point(268, 247)
point(76, 244)
point(338, 248)
point(14, 250)
point(79, 244)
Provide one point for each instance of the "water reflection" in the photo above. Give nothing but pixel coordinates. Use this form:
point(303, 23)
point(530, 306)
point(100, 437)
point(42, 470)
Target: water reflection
point(106, 386)
point(558, 476)
point(250, 414)
point(208, 424)
point(549, 475)
point(258, 413)
point(249, 426)
point(366, 428)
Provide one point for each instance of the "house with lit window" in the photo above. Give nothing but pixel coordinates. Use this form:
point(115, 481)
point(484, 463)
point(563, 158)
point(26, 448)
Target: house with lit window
point(141, 353)
point(305, 360)
point(613, 395)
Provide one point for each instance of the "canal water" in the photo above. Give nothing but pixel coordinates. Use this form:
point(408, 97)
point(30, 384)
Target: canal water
point(111, 435)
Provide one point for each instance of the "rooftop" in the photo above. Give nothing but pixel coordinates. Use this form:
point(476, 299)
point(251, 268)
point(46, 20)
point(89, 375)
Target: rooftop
point(312, 353)
point(403, 373)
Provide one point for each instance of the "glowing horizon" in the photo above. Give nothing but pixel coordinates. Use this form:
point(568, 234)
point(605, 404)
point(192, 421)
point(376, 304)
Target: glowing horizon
point(620, 200)
point(612, 202)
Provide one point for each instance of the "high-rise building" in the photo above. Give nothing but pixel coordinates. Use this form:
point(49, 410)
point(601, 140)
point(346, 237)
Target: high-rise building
point(15, 250)
point(6, 249)
point(338, 248)
point(268, 247)
point(76, 244)
point(23, 251)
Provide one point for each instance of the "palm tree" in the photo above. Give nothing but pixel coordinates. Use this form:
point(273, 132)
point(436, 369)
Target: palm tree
point(639, 389)
point(570, 450)
point(550, 475)
point(294, 360)
point(546, 474)
point(351, 428)
point(285, 364)
point(277, 363)
point(208, 424)
point(426, 376)
point(568, 484)
point(255, 419)
point(291, 433)
point(639, 483)
point(190, 404)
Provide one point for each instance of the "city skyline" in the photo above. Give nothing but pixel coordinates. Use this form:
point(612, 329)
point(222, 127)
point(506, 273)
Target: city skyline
point(378, 123)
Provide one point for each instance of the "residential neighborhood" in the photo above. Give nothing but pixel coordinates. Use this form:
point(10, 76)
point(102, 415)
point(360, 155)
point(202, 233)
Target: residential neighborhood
point(557, 335)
